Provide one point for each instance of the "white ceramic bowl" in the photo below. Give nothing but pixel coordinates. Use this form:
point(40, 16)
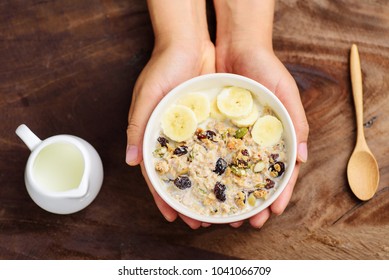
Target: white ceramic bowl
point(206, 82)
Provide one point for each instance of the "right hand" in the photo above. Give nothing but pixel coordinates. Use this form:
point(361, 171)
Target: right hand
point(170, 65)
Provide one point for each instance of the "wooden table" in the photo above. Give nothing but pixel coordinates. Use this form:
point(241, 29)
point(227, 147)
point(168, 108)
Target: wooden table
point(70, 67)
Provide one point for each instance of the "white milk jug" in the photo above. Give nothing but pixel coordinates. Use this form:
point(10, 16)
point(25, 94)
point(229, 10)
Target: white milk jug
point(64, 173)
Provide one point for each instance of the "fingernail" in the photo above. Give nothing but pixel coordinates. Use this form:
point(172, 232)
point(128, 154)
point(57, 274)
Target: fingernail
point(132, 155)
point(302, 152)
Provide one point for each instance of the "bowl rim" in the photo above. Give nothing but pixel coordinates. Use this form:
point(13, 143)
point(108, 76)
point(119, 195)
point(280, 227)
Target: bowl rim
point(233, 79)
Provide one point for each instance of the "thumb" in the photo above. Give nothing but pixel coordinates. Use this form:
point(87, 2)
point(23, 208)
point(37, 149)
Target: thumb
point(289, 94)
point(142, 105)
point(134, 142)
point(134, 135)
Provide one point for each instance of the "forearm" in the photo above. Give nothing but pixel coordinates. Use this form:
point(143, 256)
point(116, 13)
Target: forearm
point(244, 21)
point(178, 20)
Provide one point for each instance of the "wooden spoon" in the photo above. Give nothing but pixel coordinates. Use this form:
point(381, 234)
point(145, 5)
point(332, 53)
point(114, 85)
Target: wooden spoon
point(362, 169)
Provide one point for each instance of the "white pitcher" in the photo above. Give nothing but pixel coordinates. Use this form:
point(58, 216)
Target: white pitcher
point(64, 173)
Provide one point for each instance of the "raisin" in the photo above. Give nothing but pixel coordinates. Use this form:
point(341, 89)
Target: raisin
point(210, 134)
point(269, 183)
point(219, 191)
point(277, 169)
point(220, 167)
point(182, 182)
point(181, 150)
point(163, 141)
point(242, 163)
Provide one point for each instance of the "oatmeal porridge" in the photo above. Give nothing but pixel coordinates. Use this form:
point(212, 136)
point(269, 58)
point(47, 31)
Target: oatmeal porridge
point(220, 154)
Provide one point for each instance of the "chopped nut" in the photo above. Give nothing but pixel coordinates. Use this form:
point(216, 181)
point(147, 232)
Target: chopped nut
point(260, 194)
point(259, 166)
point(241, 132)
point(183, 171)
point(238, 171)
point(252, 199)
point(160, 152)
point(208, 201)
point(231, 144)
point(240, 199)
point(162, 167)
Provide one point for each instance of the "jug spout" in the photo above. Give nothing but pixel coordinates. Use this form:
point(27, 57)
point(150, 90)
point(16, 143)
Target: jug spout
point(81, 191)
point(28, 137)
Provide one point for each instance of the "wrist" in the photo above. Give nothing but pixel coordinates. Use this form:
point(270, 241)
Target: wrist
point(241, 24)
point(179, 22)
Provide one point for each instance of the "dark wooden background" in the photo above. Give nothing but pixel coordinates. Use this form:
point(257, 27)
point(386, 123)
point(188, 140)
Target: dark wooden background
point(70, 67)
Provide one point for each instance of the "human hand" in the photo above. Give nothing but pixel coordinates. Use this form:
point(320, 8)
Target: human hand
point(179, 54)
point(248, 51)
point(263, 66)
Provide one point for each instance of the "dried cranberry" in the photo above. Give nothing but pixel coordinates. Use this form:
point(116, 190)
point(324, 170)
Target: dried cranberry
point(219, 191)
point(181, 150)
point(200, 135)
point(274, 157)
point(269, 183)
point(245, 152)
point(220, 167)
point(209, 134)
point(182, 182)
point(163, 141)
point(277, 169)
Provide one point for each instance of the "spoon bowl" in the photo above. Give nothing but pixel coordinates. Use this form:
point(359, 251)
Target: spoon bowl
point(362, 173)
point(362, 169)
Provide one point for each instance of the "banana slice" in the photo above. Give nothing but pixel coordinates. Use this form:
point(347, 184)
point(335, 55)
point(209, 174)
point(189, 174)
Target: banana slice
point(267, 131)
point(215, 112)
point(235, 102)
point(248, 120)
point(179, 123)
point(198, 103)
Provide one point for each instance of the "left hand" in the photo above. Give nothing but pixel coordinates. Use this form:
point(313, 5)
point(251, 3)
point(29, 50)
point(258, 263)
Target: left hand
point(262, 65)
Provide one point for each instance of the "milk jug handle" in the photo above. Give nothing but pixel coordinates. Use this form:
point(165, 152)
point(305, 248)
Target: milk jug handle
point(28, 137)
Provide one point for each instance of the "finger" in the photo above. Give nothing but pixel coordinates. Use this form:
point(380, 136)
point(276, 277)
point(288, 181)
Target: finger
point(236, 224)
point(193, 224)
point(260, 219)
point(282, 201)
point(168, 212)
point(143, 102)
point(205, 225)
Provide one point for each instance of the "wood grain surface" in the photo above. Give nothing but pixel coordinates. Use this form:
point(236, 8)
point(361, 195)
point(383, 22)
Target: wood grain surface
point(70, 67)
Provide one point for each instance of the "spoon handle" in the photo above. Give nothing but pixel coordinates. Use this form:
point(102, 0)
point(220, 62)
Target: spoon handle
point(356, 83)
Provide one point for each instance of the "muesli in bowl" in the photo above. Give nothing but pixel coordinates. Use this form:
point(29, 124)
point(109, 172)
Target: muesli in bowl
point(221, 153)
